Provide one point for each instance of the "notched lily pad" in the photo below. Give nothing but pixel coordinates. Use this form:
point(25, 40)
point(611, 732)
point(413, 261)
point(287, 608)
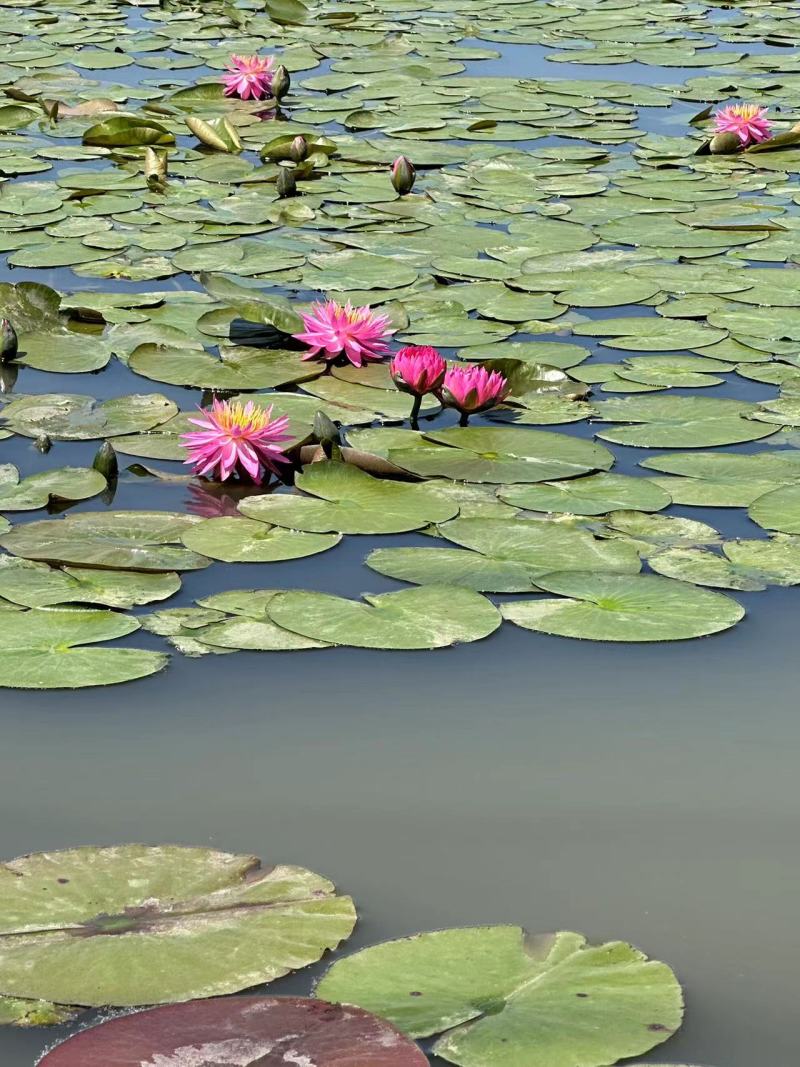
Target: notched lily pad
point(134, 924)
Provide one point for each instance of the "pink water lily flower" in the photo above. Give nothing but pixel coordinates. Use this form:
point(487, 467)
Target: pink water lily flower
point(236, 438)
point(747, 121)
point(473, 389)
point(249, 76)
point(332, 330)
point(418, 369)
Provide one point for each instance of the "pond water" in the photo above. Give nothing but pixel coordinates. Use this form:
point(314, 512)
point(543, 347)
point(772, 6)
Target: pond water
point(647, 793)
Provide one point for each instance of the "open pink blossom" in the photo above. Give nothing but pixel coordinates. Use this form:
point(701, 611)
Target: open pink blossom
point(236, 438)
point(473, 389)
point(418, 369)
point(249, 76)
point(332, 330)
point(747, 121)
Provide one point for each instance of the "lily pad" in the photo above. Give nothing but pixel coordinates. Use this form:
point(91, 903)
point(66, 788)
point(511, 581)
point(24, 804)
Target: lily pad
point(81, 418)
point(37, 490)
point(44, 648)
point(451, 566)
point(239, 540)
point(36, 585)
point(134, 924)
point(255, 1030)
point(350, 501)
point(594, 494)
point(502, 454)
point(612, 607)
point(778, 510)
point(501, 997)
point(679, 422)
point(119, 540)
point(431, 616)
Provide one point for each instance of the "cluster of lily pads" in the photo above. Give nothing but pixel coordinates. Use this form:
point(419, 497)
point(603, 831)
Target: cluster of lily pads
point(542, 215)
point(128, 926)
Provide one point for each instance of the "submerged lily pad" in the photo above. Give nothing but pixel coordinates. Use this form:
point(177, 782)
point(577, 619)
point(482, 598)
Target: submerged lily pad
point(501, 997)
point(615, 607)
point(264, 1031)
point(431, 616)
point(133, 924)
point(43, 648)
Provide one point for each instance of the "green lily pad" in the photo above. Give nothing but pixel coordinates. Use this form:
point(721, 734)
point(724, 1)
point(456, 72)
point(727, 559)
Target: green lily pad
point(502, 454)
point(593, 494)
point(44, 648)
point(37, 490)
point(501, 997)
point(778, 510)
point(238, 367)
point(679, 422)
point(541, 545)
point(617, 607)
point(775, 560)
point(700, 567)
point(238, 540)
point(118, 540)
point(431, 616)
point(450, 566)
point(36, 585)
point(134, 924)
point(350, 501)
point(68, 417)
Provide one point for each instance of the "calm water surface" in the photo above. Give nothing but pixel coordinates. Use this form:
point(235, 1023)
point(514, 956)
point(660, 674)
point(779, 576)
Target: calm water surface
point(643, 793)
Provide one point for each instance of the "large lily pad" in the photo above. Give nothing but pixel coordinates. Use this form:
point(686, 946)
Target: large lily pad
point(432, 616)
point(120, 540)
point(264, 1031)
point(594, 494)
point(500, 997)
point(346, 500)
point(36, 585)
point(611, 607)
point(37, 490)
point(44, 648)
point(451, 566)
point(502, 454)
point(81, 418)
point(134, 924)
point(239, 540)
point(679, 422)
point(778, 510)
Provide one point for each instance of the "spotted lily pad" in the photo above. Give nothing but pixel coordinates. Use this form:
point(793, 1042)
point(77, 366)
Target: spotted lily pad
point(501, 997)
point(613, 607)
point(264, 1031)
point(81, 418)
point(133, 924)
point(431, 616)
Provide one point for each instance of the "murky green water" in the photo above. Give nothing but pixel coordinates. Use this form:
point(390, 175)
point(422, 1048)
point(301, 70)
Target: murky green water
point(642, 793)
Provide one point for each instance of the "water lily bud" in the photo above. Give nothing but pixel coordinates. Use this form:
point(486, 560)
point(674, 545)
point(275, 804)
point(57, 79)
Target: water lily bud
point(403, 175)
point(105, 461)
point(725, 143)
point(43, 443)
point(279, 86)
point(325, 429)
point(8, 342)
point(298, 149)
point(155, 166)
point(287, 183)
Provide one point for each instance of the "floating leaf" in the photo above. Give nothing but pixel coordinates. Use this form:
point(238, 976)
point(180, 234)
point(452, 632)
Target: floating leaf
point(37, 490)
point(256, 1030)
point(36, 585)
point(616, 607)
point(594, 494)
point(134, 924)
point(125, 540)
point(43, 648)
point(778, 510)
point(432, 616)
point(81, 418)
point(238, 540)
point(351, 502)
point(450, 566)
point(506, 998)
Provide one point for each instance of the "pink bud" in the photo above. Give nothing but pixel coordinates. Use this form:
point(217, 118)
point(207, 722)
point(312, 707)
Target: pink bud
point(418, 369)
point(403, 175)
point(473, 389)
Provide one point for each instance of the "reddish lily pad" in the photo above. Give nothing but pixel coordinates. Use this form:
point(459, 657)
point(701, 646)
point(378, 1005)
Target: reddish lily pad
point(267, 1031)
